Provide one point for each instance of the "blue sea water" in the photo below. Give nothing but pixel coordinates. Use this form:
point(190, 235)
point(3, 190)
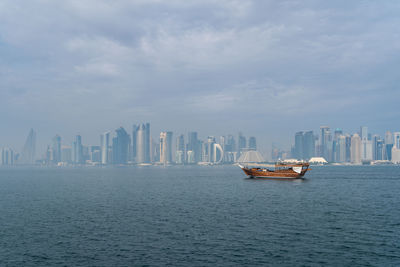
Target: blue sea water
point(199, 216)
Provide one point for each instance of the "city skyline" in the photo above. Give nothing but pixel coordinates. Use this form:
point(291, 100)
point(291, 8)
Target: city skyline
point(142, 146)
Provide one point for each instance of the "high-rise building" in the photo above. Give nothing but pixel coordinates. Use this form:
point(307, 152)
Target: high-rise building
point(141, 143)
point(396, 148)
point(325, 143)
point(208, 149)
point(335, 145)
point(229, 148)
point(218, 153)
point(366, 149)
point(252, 143)
point(195, 148)
point(180, 149)
point(166, 147)
point(341, 149)
point(388, 146)
point(298, 146)
point(212, 152)
point(7, 157)
point(388, 137)
point(308, 145)
point(155, 151)
point(348, 148)
point(241, 144)
point(120, 146)
point(29, 150)
point(66, 154)
point(378, 148)
point(396, 140)
point(356, 149)
point(95, 154)
point(364, 133)
point(105, 147)
point(56, 149)
point(77, 151)
point(190, 157)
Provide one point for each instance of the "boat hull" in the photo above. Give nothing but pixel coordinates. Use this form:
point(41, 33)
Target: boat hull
point(275, 174)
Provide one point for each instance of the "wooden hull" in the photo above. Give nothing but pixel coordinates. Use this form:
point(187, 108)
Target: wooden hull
point(273, 174)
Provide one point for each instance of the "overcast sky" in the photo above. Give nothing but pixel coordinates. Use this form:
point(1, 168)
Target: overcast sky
point(266, 68)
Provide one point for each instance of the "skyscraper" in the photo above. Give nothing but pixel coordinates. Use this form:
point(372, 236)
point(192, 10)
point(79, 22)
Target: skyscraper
point(241, 144)
point(77, 151)
point(180, 149)
point(335, 145)
point(298, 146)
point(29, 150)
point(396, 140)
point(396, 148)
point(309, 145)
point(208, 149)
point(378, 148)
point(141, 143)
point(252, 143)
point(56, 149)
point(325, 143)
point(230, 149)
point(166, 147)
point(120, 146)
point(341, 149)
point(193, 148)
point(356, 149)
point(7, 157)
point(364, 133)
point(366, 149)
point(104, 145)
point(66, 154)
point(388, 145)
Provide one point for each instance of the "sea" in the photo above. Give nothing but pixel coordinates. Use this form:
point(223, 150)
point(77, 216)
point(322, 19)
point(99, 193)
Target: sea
point(199, 216)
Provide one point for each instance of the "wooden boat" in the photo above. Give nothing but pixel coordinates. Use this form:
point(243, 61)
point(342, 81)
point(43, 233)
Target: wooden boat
point(281, 171)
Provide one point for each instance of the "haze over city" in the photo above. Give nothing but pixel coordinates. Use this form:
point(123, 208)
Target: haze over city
point(265, 68)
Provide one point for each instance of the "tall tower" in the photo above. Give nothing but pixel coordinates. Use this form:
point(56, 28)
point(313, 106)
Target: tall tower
point(180, 149)
point(166, 147)
point(241, 143)
point(356, 149)
point(77, 153)
point(396, 148)
point(29, 150)
point(325, 143)
point(7, 156)
point(193, 148)
point(56, 149)
point(364, 133)
point(252, 143)
point(341, 149)
point(104, 146)
point(141, 143)
point(120, 146)
point(298, 145)
point(309, 145)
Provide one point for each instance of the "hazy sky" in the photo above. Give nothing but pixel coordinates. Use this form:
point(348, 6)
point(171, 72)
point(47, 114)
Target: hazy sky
point(267, 68)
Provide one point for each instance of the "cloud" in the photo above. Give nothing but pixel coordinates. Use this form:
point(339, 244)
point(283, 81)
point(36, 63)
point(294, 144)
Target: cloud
point(207, 60)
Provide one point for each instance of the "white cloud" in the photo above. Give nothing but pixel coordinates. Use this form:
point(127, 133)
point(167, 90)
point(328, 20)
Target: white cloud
point(117, 58)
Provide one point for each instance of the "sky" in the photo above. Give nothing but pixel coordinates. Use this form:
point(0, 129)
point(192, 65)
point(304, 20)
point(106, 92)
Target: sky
point(265, 68)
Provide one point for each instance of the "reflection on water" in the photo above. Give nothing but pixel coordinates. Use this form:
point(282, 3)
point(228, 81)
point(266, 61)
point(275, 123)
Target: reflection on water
point(202, 216)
